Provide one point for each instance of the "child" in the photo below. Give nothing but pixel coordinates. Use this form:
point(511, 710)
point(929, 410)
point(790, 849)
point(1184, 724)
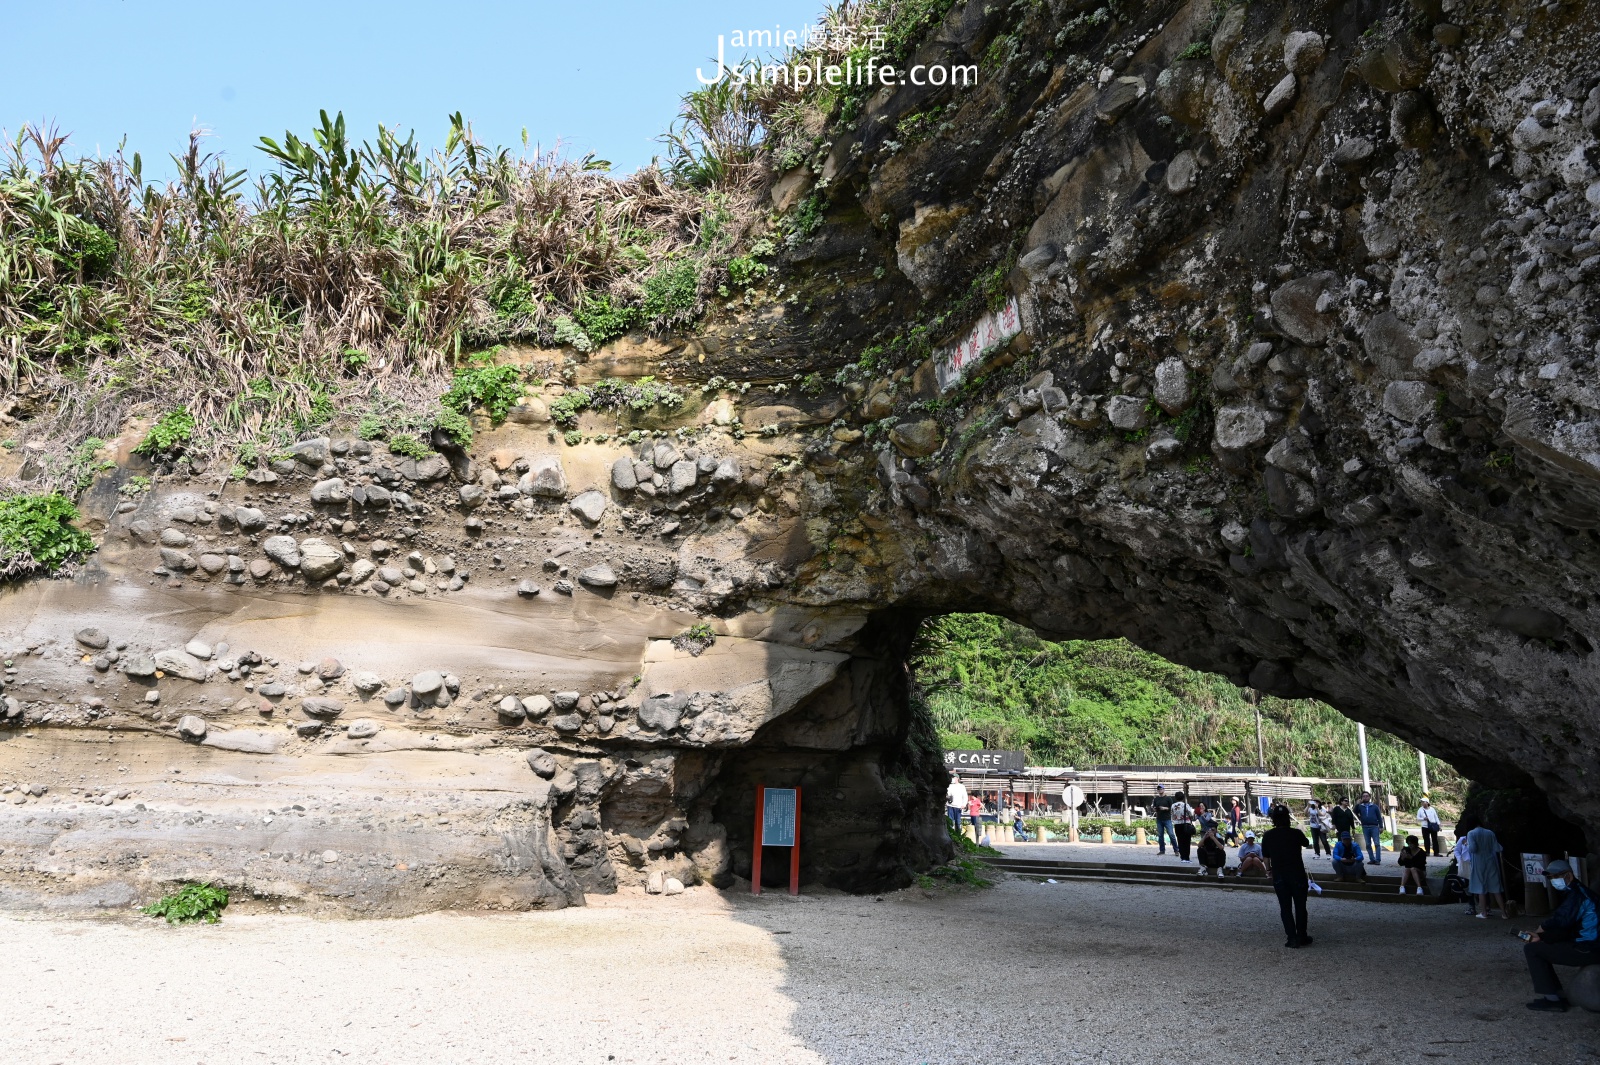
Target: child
point(1413, 866)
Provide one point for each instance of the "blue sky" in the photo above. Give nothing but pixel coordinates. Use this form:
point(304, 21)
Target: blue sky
point(600, 76)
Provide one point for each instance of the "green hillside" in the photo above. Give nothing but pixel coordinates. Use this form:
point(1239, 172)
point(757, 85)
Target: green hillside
point(990, 683)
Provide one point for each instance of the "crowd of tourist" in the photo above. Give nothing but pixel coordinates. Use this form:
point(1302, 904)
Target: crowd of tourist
point(1351, 837)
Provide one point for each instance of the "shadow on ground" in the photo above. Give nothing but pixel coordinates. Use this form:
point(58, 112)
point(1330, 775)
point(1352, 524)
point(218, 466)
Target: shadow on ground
point(1080, 972)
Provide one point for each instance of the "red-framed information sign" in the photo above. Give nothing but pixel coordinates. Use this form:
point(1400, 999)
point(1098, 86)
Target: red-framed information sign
point(777, 825)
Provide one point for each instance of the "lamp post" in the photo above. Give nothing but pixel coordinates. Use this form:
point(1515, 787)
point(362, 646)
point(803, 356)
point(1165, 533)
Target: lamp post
point(1422, 761)
point(1261, 755)
point(1361, 740)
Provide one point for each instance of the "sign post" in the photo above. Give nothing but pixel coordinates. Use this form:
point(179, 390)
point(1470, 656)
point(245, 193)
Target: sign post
point(1072, 796)
point(777, 825)
point(1536, 893)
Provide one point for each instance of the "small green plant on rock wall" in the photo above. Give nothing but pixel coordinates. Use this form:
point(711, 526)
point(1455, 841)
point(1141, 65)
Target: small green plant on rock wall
point(454, 425)
point(671, 294)
point(84, 465)
point(409, 446)
point(602, 320)
point(494, 388)
point(190, 904)
point(37, 534)
point(169, 434)
point(696, 639)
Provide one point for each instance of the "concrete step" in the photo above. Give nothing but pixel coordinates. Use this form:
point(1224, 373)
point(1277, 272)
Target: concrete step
point(1384, 877)
point(1390, 878)
point(1132, 873)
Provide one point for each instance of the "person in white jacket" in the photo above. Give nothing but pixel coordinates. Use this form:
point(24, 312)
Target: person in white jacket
point(1318, 822)
point(955, 801)
point(1428, 821)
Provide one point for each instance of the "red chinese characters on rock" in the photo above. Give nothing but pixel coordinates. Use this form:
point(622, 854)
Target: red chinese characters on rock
point(992, 330)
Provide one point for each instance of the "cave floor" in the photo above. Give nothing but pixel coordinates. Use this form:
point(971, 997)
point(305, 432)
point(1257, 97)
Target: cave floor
point(1023, 972)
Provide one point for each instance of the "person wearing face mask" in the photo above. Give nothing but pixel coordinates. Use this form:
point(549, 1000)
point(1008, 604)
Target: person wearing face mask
point(1570, 936)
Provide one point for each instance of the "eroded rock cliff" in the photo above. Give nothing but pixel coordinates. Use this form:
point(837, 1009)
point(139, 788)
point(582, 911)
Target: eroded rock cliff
point(1263, 335)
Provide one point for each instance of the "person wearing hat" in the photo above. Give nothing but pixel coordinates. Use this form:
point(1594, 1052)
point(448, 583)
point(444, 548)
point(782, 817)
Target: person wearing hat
point(1162, 808)
point(1428, 822)
point(1235, 816)
point(1250, 858)
point(1570, 936)
point(1319, 824)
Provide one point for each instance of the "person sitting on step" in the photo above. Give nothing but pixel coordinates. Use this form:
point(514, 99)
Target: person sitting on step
point(1213, 855)
point(1250, 860)
point(1570, 936)
point(1347, 859)
point(1413, 867)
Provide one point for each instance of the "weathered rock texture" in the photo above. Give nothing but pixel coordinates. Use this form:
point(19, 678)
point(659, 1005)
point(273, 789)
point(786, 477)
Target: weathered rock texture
point(1302, 390)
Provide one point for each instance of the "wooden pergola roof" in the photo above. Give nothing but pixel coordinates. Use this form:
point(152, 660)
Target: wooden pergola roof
point(1140, 781)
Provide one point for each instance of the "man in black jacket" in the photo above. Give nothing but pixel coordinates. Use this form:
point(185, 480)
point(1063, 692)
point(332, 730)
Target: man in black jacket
point(1281, 846)
point(1162, 809)
point(1344, 819)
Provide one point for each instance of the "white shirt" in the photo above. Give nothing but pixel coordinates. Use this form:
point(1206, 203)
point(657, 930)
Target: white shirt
point(957, 795)
point(1428, 815)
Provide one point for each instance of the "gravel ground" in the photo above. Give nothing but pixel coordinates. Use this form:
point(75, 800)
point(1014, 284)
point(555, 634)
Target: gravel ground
point(1072, 972)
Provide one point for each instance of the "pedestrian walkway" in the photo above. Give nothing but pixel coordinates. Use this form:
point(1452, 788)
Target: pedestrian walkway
point(1124, 864)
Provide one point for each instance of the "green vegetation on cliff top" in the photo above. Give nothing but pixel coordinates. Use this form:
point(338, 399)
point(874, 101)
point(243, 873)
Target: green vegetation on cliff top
point(991, 683)
point(356, 275)
point(37, 534)
point(353, 276)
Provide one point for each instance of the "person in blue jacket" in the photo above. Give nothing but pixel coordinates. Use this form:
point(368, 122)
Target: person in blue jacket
point(1370, 815)
point(1347, 859)
point(1570, 936)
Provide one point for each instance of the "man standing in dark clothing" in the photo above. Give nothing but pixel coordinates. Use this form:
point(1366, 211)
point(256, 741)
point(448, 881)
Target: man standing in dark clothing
point(1281, 847)
point(1163, 811)
point(1343, 819)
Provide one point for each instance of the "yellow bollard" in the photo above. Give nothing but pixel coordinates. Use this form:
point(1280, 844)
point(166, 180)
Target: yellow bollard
point(1138, 836)
point(1105, 835)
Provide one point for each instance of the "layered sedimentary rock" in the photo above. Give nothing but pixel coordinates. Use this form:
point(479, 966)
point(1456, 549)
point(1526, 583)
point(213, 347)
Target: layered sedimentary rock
point(1262, 335)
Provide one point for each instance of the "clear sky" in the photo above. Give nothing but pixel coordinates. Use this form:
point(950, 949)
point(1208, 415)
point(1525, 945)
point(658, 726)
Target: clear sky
point(600, 76)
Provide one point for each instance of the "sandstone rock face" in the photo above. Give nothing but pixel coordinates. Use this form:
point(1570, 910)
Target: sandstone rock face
point(1303, 396)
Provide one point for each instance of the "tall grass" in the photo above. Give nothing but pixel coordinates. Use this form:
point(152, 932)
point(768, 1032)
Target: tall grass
point(355, 274)
point(347, 273)
point(992, 683)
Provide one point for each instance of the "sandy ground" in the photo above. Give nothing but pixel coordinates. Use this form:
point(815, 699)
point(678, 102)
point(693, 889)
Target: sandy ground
point(1025, 972)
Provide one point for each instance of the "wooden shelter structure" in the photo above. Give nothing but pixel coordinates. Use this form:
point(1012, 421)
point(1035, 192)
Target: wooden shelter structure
point(1038, 786)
